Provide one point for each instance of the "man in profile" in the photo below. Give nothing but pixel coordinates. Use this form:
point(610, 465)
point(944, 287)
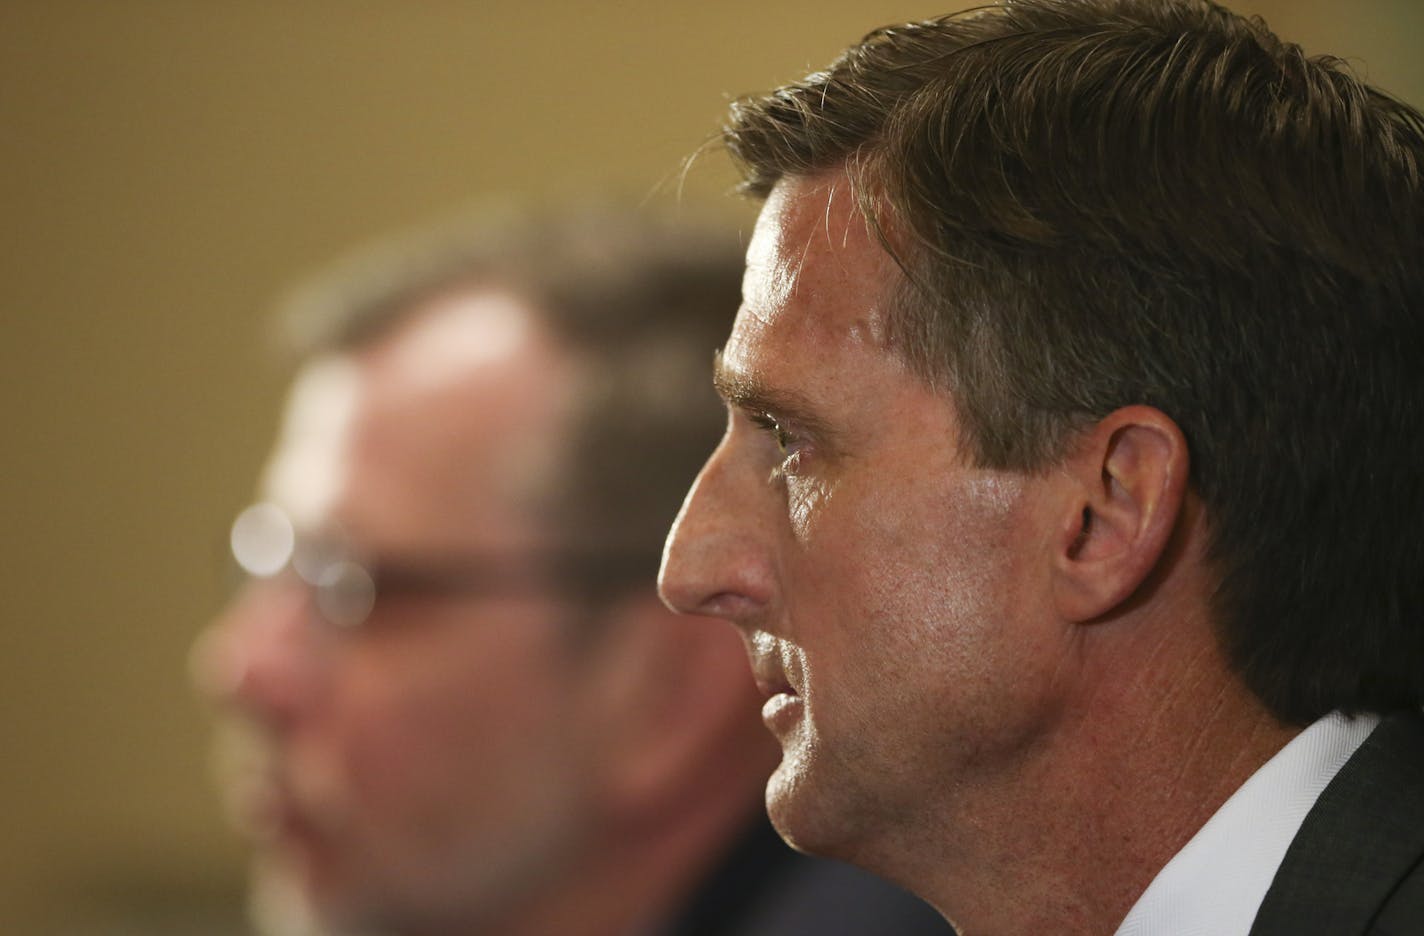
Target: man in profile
point(465, 709)
point(1069, 505)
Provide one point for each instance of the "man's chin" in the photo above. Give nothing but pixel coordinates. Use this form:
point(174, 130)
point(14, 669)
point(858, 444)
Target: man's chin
point(308, 891)
point(296, 890)
point(795, 811)
point(280, 901)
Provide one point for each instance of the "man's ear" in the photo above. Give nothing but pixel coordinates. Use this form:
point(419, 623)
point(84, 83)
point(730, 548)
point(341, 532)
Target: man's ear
point(1126, 482)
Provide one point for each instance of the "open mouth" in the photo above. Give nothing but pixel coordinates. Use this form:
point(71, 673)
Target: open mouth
point(770, 678)
point(774, 686)
point(783, 705)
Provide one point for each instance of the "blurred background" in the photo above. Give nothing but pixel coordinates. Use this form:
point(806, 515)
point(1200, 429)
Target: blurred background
point(166, 168)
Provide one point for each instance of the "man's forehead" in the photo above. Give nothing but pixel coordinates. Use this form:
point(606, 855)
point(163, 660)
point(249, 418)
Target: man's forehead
point(817, 276)
point(825, 203)
point(814, 250)
point(440, 429)
point(307, 468)
point(451, 336)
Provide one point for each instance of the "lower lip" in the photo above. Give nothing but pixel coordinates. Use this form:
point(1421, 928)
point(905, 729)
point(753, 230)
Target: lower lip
point(781, 711)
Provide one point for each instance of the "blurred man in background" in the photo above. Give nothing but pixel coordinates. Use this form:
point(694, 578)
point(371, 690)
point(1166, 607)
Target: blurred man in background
point(460, 706)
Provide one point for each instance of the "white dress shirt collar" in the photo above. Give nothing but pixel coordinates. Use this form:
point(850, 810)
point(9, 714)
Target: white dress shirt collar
point(1215, 884)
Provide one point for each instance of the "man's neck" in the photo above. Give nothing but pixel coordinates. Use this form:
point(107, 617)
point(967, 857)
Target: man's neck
point(1128, 774)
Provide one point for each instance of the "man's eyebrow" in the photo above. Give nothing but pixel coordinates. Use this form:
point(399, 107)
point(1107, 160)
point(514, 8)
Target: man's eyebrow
point(748, 393)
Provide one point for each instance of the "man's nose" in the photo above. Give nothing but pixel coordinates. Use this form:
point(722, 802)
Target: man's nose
point(718, 560)
point(261, 656)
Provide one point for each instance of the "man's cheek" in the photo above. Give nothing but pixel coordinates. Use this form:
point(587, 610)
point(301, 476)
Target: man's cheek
point(807, 501)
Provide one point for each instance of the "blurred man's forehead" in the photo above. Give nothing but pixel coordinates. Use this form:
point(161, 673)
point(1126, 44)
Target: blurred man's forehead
point(306, 470)
point(441, 433)
point(444, 339)
point(455, 409)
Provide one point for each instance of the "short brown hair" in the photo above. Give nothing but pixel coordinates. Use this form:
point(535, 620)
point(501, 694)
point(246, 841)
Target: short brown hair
point(1106, 202)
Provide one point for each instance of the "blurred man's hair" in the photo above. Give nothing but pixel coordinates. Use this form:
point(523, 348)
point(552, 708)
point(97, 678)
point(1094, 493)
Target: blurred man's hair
point(641, 302)
point(1108, 202)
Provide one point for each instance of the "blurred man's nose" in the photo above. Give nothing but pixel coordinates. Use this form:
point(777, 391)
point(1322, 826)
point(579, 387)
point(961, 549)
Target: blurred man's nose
point(261, 656)
point(718, 560)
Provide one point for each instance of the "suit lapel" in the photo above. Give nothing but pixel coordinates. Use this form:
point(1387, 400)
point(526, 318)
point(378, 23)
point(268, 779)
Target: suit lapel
point(1364, 834)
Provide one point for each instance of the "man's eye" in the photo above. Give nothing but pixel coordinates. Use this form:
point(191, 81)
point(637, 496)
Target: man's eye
point(784, 439)
point(789, 445)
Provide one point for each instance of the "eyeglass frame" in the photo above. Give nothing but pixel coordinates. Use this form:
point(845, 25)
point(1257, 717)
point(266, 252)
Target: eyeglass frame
point(345, 585)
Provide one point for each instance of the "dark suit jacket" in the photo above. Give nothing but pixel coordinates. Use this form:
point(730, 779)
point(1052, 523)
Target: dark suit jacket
point(1357, 865)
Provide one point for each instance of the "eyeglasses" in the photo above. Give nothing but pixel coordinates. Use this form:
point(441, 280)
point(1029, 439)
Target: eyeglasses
point(266, 544)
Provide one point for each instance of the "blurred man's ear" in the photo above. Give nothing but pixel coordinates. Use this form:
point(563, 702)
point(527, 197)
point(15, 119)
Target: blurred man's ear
point(676, 707)
point(1124, 487)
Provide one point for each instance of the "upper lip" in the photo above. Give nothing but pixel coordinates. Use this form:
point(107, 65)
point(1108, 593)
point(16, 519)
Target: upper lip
point(769, 670)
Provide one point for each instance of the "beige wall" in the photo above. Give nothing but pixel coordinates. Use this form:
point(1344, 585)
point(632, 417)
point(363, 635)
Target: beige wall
point(165, 166)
